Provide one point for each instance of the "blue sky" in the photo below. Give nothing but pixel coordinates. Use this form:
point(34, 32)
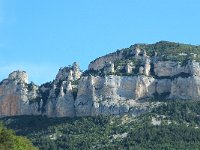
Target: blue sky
point(40, 36)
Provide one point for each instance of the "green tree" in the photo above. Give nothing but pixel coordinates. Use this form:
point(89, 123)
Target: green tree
point(9, 141)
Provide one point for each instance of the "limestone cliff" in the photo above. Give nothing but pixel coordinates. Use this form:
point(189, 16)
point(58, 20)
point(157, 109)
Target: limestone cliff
point(59, 96)
point(112, 94)
point(15, 95)
point(119, 83)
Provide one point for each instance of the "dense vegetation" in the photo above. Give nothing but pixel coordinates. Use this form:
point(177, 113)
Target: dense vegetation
point(170, 50)
point(177, 126)
point(9, 141)
point(164, 51)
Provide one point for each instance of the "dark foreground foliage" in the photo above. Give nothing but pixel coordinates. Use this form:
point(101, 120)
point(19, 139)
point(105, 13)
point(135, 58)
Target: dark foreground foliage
point(9, 141)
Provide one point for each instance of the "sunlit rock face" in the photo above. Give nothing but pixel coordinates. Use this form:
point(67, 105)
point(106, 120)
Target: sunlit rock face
point(119, 83)
point(102, 61)
point(97, 95)
point(173, 68)
point(62, 92)
point(14, 95)
point(19, 76)
point(60, 102)
point(70, 73)
point(170, 68)
point(186, 88)
point(112, 94)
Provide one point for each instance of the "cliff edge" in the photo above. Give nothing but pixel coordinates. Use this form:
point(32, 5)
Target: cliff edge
point(123, 82)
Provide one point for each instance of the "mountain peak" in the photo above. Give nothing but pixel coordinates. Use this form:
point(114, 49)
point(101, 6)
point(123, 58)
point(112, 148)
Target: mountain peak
point(20, 76)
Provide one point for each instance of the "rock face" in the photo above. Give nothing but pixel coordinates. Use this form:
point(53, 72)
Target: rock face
point(19, 76)
point(116, 84)
point(60, 101)
point(54, 99)
point(15, 95)
point(147, 67)
point(112, 94)
point(109, 68)
point(68, 73)
point(102, 61)
point(129, 68)
point(170, 68)
point(163, 86)
point(186, 88)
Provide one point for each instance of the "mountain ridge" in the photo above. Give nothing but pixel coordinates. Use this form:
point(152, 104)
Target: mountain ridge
point(119, 83)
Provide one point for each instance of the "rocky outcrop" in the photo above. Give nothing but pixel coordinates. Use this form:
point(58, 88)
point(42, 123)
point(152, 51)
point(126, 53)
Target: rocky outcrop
point(19, 76)
point(70, 73)
point(55, 99)
point(169, 68)
point(119, 94)
point(173, 68)
point(109, 68)
point(163, 86)
point(129, 68)
point(60, 102)
point(147, 66)
point(95, 95)
point(15, 94)
point(185, 88)
point(112, 94)
point(102, 61)
point(194, 68)
point(116, 84)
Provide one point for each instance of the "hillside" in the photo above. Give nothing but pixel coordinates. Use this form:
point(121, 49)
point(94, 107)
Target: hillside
point(173, 125)
point(163, 51)
point(142, 97)
point(119, 83)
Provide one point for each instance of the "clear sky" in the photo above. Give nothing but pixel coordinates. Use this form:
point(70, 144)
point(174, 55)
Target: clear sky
point(40, 36)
